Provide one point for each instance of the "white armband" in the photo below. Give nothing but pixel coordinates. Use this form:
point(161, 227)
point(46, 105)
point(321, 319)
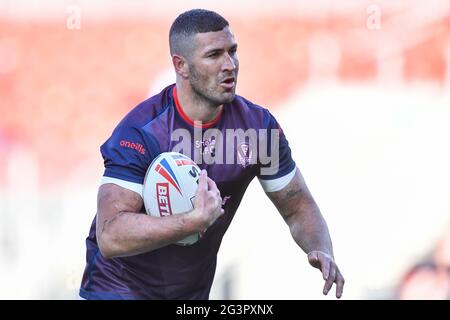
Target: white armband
point(278, 183)
point(136, 187)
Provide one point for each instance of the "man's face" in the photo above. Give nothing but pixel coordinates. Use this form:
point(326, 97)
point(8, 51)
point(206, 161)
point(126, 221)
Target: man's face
point(214, 66)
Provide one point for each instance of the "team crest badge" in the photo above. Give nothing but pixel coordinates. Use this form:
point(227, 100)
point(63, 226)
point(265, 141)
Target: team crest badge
point(244, 154)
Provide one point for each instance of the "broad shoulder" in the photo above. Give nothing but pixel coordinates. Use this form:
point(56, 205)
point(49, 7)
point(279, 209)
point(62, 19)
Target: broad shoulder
point(251, 111)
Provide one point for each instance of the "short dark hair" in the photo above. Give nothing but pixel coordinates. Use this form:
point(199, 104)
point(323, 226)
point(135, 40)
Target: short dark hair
point(192, 22)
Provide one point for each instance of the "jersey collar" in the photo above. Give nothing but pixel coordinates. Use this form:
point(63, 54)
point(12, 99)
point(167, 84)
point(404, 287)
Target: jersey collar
point(186, 118)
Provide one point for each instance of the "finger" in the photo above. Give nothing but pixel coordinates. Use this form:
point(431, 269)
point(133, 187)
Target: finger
point(325, 268)
point(339, 284)
point(203, 181)
point(219, 202)
point(212, 185)
point(331, 278)
point(217, 190)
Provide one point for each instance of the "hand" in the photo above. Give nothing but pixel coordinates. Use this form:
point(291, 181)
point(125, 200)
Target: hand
point(330, 271)
point(208, 202)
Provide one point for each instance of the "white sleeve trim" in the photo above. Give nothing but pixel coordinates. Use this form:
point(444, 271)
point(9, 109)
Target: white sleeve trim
point(136, 187)
point(279, 183)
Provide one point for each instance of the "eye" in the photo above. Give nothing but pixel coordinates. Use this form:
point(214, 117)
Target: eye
point(233, 50)
point(214, 54)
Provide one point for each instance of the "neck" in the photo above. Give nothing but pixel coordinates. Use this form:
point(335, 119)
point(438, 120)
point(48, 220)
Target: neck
point(196, 107)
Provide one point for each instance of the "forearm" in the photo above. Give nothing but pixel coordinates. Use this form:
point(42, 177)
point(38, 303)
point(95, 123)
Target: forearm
point(129, 233)
point(121, 231)
point(298, 208)
point(309, 229)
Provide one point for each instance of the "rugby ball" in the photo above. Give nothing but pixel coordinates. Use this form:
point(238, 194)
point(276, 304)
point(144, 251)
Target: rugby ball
point(170, 186)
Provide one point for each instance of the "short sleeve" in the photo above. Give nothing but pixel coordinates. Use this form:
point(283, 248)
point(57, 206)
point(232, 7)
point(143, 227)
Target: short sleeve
point(127, 155)
point(278, 169)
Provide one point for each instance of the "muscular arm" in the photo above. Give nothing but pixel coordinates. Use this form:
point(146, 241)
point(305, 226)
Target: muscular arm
point(122, 231)
point(308, 228)
point(301, 213)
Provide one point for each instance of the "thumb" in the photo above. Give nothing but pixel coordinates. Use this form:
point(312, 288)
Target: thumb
point(320, 263)
point(313, 258)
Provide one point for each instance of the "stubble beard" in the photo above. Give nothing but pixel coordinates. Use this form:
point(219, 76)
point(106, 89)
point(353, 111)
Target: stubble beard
point(207, 94)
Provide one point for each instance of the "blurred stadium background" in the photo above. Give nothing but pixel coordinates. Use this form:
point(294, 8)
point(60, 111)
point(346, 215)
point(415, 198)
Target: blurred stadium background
point(361, 88)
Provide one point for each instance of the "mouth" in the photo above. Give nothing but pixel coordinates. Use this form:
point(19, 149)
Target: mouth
point(228, 83)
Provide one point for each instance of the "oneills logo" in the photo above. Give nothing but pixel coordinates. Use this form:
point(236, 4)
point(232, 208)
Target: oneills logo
point(136, 146)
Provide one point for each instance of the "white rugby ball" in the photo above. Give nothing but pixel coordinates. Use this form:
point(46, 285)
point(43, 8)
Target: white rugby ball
point(170, 186)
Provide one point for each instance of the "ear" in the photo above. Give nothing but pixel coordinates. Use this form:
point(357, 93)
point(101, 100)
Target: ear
point(181, 66)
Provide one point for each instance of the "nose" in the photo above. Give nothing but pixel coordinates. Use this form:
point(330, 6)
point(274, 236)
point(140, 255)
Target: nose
point(229, 64)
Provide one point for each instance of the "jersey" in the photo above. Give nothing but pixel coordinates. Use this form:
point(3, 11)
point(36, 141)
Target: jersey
point(174, 271)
